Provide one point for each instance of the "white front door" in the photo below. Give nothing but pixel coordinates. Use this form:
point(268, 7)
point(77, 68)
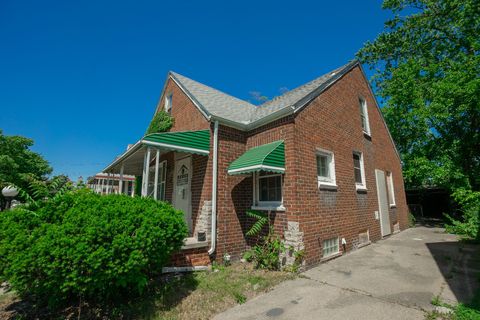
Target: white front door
point(182, 185)
point(382, 202)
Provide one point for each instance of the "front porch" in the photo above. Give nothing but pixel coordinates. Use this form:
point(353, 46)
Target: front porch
point(174, 167)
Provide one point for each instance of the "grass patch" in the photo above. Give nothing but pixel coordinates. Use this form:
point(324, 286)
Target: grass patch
point(198, 295)
point(221, 289)
point(470, 311)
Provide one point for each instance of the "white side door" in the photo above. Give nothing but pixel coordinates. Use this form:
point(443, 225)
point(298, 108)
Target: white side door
point(182, 188)
point(382, 203)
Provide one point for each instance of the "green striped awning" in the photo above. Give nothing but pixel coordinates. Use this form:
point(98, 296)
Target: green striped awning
point(268, 157)
point(187, 141)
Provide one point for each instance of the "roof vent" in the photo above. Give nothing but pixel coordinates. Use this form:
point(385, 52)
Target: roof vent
point(333, 73)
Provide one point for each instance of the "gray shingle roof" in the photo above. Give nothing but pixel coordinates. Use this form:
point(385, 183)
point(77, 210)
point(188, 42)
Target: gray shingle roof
point(216, 103)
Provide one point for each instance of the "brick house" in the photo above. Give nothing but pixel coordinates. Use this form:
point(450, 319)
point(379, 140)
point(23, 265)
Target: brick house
point(319, 159)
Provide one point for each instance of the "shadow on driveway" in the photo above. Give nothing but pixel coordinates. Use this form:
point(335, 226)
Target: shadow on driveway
point(459, 263)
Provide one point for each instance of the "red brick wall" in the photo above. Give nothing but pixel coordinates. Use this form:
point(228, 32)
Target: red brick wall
point(191, 258)
point(332, 122)
point(233, 196)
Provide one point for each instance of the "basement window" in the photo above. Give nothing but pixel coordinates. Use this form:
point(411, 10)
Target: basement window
point(330, 247)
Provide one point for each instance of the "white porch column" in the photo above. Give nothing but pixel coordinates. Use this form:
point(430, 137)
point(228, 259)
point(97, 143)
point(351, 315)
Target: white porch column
point(120, 181)
point(133, 187)
point(146, 172)
point(103, 184)
point(107, 182)
point(155, 186)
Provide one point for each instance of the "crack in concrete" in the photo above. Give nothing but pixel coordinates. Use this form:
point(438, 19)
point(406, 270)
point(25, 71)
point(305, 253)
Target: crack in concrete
point(367, 294)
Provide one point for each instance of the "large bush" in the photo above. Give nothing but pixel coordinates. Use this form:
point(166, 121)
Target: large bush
point(469, 225)
point(86, 246)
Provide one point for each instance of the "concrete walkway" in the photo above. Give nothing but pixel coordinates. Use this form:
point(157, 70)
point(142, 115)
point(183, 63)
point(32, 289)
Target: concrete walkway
point(395, 278)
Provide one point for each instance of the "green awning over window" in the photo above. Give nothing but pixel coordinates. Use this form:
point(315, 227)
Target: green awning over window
point(268, 157)
point(187, 141)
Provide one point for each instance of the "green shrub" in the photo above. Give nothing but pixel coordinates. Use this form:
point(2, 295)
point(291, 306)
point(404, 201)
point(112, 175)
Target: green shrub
point(411, 219)
point(469, 224)
point(90, 247)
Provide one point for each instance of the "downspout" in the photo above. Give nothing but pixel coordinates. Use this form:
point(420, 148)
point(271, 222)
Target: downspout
point(213, 235)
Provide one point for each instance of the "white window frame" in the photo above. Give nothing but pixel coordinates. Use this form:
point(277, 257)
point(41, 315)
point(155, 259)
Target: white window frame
point(391, 189)
point(325, 247)
point(266, 205)
point(326, 182)
point(168, 103)
point(364, 115)
point(363, 185)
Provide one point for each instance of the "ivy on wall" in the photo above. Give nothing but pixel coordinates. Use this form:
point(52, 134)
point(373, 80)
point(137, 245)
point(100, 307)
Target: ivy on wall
point(161, 122)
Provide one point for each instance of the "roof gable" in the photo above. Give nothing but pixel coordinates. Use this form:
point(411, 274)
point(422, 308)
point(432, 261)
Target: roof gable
point(238, 113)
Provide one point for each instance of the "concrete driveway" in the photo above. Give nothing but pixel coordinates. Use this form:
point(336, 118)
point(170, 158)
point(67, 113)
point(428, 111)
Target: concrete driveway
point(395, 278)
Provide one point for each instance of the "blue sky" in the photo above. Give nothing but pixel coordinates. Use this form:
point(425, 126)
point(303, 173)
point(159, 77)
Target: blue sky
point(82, 78)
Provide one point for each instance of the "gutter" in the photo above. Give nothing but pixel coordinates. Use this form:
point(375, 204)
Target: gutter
point(213, 234)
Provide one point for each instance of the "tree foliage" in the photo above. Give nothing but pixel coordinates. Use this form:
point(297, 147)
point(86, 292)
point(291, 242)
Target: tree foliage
point(18, 162)
point(162, 121)
point(426, 71)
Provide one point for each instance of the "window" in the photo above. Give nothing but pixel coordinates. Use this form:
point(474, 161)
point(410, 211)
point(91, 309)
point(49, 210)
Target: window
point(330, 247)
point(359, 171)
point(162, 177)
point(168, 103)
point(325, 169)
point(364, 116)
point(391, 190)
point(268, 189)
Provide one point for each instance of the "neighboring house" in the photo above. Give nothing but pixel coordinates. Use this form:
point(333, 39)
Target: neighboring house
point(103, 183)
point(319, 158)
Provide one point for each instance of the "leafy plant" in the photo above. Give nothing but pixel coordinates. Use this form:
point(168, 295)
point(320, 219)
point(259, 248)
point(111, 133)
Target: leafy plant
point(469, 224)
point(83, 246)
point(162, 121)
point(38, 190)
point(239, 297)
point(411, 219)
point(261, 220)
point(266, 253)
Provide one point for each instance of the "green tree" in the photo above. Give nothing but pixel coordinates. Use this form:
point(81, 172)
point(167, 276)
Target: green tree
point(19, 164)
point(426, 71)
